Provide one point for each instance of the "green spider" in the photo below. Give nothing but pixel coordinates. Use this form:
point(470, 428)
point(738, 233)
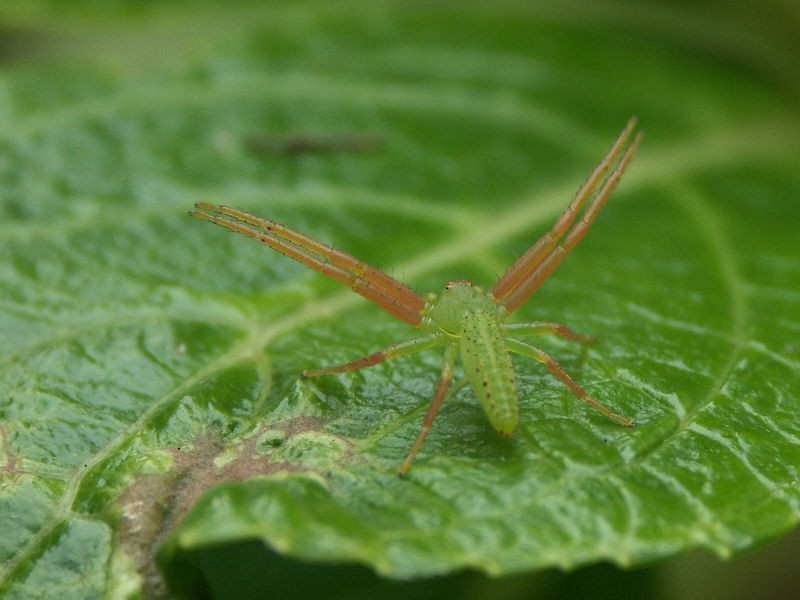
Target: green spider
point(463, 318)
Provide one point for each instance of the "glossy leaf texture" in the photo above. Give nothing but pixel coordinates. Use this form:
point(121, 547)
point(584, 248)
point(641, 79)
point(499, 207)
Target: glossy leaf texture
point(150, 398)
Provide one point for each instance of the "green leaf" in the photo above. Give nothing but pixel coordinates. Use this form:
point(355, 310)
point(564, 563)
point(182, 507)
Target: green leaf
point(150, 397)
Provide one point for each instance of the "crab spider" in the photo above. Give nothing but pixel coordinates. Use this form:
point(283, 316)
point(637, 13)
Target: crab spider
point(463, 318)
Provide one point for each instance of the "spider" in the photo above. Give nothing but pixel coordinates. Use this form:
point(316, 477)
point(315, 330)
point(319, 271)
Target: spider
point(464, 318)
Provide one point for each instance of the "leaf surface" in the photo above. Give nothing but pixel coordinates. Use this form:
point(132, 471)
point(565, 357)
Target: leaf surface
point(150, 394)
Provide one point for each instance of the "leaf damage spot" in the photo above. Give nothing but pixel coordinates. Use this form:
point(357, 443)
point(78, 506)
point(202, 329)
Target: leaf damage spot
point(8, 460)
point(153, 505)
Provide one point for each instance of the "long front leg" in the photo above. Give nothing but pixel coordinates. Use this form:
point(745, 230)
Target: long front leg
point(448, 364)
point(402, 349)
point(376, 286)
point(527, 263)
point(548, 263)
point(557, 370)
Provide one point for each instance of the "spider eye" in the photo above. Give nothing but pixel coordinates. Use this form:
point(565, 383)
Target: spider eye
point(460, 282)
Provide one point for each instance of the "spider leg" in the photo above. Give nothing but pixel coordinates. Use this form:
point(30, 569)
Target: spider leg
point(557, 370)
point(520, 280)
point(536, 253)
point(375, 285)
point(448, 364)
point(545, 328)
point(402, 349)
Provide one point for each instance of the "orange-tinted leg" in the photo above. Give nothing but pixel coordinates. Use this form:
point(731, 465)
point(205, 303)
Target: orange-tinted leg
point(546, 328)
point(563, 377)
point(394, 351)
point(521, 269)
point(375, 285)
point(534, 278)
point(448, 364)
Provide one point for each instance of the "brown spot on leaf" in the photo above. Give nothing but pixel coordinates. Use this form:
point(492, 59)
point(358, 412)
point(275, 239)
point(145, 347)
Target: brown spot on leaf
point(9, 464)
point(151, 508)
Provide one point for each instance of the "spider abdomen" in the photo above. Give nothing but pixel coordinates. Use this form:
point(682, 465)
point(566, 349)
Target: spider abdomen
point(487, 366)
